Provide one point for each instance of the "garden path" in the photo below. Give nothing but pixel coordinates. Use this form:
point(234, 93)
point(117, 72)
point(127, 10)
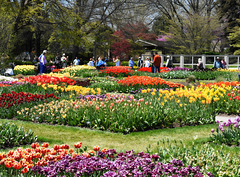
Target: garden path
point(225, 117)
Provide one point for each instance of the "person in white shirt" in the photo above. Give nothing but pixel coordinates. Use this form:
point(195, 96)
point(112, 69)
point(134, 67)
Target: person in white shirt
point(64, 61)
point(147, 62)
point(76, 61)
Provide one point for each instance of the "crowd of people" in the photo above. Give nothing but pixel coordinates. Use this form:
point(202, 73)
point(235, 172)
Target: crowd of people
point(154, 62)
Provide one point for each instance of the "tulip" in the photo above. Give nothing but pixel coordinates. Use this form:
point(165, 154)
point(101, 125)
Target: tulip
point(25, 170)
point(96, 148)
point(78, 145)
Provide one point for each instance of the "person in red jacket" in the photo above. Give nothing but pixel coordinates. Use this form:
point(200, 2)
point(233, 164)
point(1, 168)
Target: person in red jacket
point(156, 62)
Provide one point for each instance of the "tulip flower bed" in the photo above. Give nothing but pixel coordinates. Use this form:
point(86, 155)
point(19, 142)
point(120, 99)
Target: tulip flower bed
point(149, 69)
point(133, 83)
point(56, 70)
point(45, 79)
point(175, 74)
point(206, 157)
point(78, 70)
point(212, 98)
point(10, 102)
point(4, 78)
point(10, 83)
point(59, 83)
point(180, 69)
point(62, 161)
point(116, 71)
point(24, 70)
point(118, 113)
point(200, 75)
point(12, 136)
point(227, 133)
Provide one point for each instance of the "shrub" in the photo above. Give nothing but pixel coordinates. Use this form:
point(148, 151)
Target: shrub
point(191, 78)
point(11, 136)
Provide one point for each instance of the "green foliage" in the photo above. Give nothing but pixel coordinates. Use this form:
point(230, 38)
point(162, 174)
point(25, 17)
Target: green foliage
point(199, 75)
point(234, 36)
point(11, 136)
point(205, 156)
point(107, 85)
point(175, 74)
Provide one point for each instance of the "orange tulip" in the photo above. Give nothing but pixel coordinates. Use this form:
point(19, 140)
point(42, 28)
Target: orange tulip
point(16, 165)
point(8, 164)
point(86, 154)
point(96, 148)
point(25, 170)
point(45, 145)
point(71, 151)
point(78, 145)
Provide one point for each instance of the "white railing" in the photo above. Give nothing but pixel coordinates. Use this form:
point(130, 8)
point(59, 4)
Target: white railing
point(192, 60)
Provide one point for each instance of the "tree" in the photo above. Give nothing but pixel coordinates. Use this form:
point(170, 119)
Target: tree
point(228, 11)
point(6, 26)
point(192, 24)
point(128, 35)
point(195, 37)
point(235, 39)
point(102, 40)
point(121, 47)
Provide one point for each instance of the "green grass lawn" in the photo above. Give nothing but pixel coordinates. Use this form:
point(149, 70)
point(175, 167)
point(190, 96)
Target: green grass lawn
point(138, 141)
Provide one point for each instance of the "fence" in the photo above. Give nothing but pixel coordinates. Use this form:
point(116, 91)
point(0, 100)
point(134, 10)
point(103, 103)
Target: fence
point(192, 60)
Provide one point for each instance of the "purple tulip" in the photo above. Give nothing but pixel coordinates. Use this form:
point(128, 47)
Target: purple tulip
point(111, 164)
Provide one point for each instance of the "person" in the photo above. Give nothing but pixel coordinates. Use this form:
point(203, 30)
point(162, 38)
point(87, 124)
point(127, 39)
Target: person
point(35, 59)
point(217, 64)
point(239, 76)
point(64, 61)
point(131, 63)
point(200, 64)
point(39, 56)
point(140, 62)
point(91, 62)
point(9, 71)
point(157, 63)
point(169, 63)
point(147, 62)
point(117, 61)
point(100, 63)
point(43, 62)
point(76, 61)
point(223, 63)
point(58, 61)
